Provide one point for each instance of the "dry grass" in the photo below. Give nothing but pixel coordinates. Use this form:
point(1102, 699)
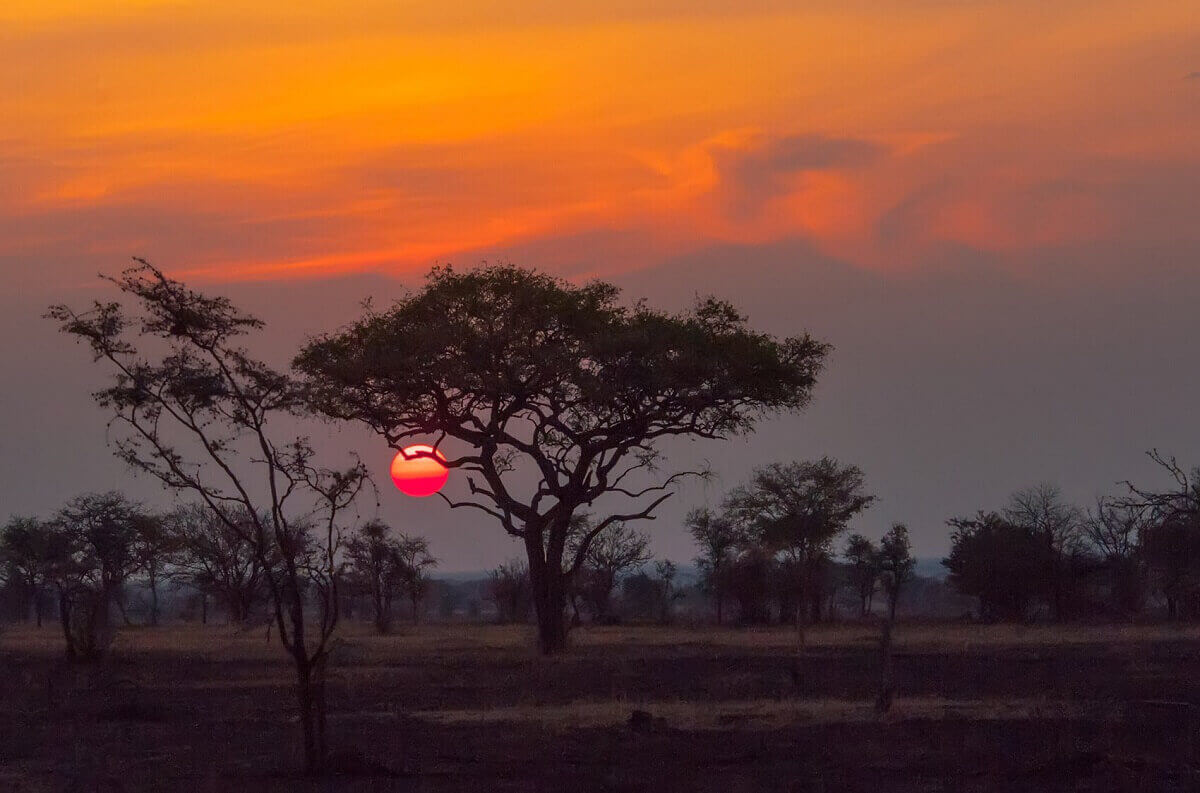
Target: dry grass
point(361, 646)
point(756, 714)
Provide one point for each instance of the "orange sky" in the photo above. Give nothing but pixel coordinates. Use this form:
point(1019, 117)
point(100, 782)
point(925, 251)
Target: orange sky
point(271, 142)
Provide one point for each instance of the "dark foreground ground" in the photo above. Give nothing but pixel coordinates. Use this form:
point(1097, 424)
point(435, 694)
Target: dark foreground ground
point(471, 708)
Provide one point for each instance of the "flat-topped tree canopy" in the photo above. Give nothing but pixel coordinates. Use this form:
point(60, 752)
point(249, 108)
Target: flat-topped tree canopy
point(533, 372)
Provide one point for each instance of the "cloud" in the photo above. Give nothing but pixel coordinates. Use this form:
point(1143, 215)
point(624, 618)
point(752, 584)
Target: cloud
point(752, 176)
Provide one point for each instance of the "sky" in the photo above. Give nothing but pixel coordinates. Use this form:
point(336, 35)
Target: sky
point(989, 209)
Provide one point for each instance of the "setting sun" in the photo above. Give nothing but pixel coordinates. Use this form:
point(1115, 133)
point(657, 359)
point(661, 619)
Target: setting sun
point(418, 475)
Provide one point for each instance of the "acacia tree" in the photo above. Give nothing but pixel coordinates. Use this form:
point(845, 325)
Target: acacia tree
point(558, 397)
point(98, 556)
point(718, 538)
point(193, 409)
point(795, 510)
point(154, 550)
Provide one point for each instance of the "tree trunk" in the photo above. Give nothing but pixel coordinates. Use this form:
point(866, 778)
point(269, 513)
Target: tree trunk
point(37, 606)
point(203, 609)
point(549, 591)
point(887, 684)
point(64, 614)
point(153, 601)
point(304, 690)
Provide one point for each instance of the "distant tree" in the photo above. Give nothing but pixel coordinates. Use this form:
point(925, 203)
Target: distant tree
point(192, 408)
point(796, 510)
point(560, 385)
point(612, 553)
point(1042, 511)
point(155, 549)
point(651, 596)
point(751, 582)
point(665, 573)
point(28, 546)
point(217, 559)
point(375, 566)
point(896, 566)
point(863, 559)
point(1171, 536)
point(96, 557)
point(998, 562)
point(1117, 531)
point(718, 539)
point(508, 586)
point(415, 563)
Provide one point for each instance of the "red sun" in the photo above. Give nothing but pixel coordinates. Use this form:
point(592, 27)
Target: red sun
point(417, 475)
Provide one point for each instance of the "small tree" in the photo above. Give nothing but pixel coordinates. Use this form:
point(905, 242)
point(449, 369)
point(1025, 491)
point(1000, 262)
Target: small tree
point(193, 409)
point(1117, 532)
point(796, 510)
point(997, 562)
point(374, 567)
point(896, 565)
point(559, 397)
point(98, 556)
point(863, 559)
point(28, 545)
point(718, 538)
point(1042, 512)
point(154, 550)
point(217, 559)
point(508, 586)
point(415, 563)
point(613, 552)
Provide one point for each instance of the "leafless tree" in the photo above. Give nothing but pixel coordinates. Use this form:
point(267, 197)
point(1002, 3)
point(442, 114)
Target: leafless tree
point(1042, 511)
point(613, 552)
point(508, 586)
point(193, 409)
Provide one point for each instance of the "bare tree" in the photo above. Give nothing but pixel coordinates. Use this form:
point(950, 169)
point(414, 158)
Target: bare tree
point(1059, 525)
point(718, 538)
point(217, 559)
point(613, 552)
point(193, 409)
point(415, 563)
point(508, 586)
point(558, 397)
point(1117, 531)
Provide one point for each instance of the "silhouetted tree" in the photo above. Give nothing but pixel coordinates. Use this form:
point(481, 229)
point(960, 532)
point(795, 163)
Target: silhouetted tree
point(896, 565)
point(217, 559)
point(751, 581)
point(374, 562)
point(508, 586)
point(1116, 531)
point(415, 563)
point(1042, 511)
point(155, 548)
point(998, 562)
point(796, 510)
point(546, 382)
point(97, 557)
point(613, 552)
point(718, 538)
point(28, 546)
point(1171, 536)
point(863, 559)
point(193, 409)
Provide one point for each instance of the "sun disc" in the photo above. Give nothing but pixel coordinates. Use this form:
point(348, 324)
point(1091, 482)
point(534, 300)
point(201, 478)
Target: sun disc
point(416, 474)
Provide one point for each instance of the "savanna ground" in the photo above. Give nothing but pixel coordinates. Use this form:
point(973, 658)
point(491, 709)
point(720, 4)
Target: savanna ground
point(450, 708)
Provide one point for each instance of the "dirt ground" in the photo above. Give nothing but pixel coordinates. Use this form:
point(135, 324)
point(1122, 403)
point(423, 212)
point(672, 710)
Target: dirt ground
point(472, 708)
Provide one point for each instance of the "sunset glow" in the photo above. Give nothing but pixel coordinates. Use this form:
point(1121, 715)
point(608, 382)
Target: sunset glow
point(417, 475)
point(272, 142)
